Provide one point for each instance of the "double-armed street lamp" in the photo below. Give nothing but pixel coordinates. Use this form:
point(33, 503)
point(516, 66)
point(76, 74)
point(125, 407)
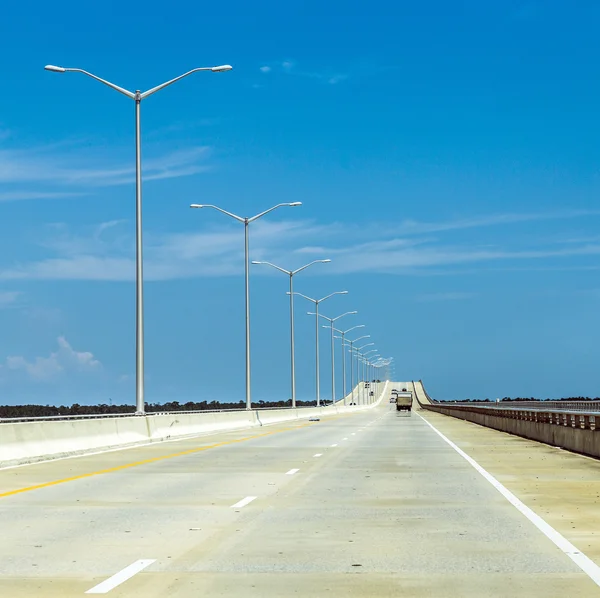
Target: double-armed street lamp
point(331, 321)
point(138, 96)
point(359, 370)
point(391, 370)
point(351, 343)
point(367, 371)
point(317, 302)
point(343, 338)
point(291, 274)
point(246, 222)
point(372, 361)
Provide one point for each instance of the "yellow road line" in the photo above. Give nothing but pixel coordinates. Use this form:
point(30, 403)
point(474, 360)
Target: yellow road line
point(143, 462)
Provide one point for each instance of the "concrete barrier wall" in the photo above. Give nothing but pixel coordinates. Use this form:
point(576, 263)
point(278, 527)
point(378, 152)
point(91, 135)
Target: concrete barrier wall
point(573, 431)
point(21, 441)
point(27, 442)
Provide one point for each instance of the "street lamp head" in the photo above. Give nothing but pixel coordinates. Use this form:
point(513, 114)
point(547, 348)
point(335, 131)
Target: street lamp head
point(197, 205)
point(324, 261)
point(55, 69)
point(295, 204)
point(221, 69)
point(255, 262)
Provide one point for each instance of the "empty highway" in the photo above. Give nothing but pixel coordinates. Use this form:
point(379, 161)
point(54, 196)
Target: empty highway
point(375, 503)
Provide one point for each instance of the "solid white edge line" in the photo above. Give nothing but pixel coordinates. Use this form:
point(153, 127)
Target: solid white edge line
point(318, 455)
point(292, 471)
point(243, 502)
point(589, 567)
point(118, 578)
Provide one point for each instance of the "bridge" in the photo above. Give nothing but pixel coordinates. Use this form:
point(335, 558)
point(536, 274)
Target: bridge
point(344, 501)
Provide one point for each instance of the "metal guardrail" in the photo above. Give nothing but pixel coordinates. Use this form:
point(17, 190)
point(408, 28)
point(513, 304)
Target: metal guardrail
point(557, 412)
point(592, 406)
point(559, 417)
point(577, 406)
point(148, 414)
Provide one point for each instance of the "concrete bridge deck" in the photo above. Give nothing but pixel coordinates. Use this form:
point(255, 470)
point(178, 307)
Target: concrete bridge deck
point(374, 503)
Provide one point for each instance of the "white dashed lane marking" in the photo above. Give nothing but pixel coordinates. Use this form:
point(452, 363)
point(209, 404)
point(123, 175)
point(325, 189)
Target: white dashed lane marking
point(243, 502)
point(118, 578)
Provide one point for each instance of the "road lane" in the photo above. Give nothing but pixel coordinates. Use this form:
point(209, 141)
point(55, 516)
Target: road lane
point(394, 513)
point(89, 528)
point(562, 487)
point(390, 511)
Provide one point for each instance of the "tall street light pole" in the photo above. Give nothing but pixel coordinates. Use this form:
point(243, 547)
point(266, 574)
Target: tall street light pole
point(246, 222)
point(359, 357)
point(317, 302)
point(371, 366)
point(376, 366)
point(343, 335)
point(137, 97)
point(351, 343)
point(291, 274)
point(331, 322)
point(366, 371)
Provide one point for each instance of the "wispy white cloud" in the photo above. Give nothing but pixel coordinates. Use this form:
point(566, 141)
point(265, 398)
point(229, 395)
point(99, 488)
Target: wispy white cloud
point(446, 296)
point(9, 298)
point(71, 170)
point(28, 195)
point(106, 252)
point(289, 67)
point(180, 126)
point(44, 316)
point(413, 227)
point(381, 259)
point(336, 79)
point(64, 359)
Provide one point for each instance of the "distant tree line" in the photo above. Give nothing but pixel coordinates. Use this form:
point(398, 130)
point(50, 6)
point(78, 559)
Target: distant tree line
point(103, 408)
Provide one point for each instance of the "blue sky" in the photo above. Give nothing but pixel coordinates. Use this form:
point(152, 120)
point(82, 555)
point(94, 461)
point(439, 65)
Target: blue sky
point(446, 155)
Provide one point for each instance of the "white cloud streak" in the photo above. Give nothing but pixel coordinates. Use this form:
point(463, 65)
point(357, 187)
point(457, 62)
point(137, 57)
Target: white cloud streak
point(289, 67)
point(9, 298)
point(107, 252)
point(44, 166)
point(28, 195)
point(445, 296)
point(413, 227)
